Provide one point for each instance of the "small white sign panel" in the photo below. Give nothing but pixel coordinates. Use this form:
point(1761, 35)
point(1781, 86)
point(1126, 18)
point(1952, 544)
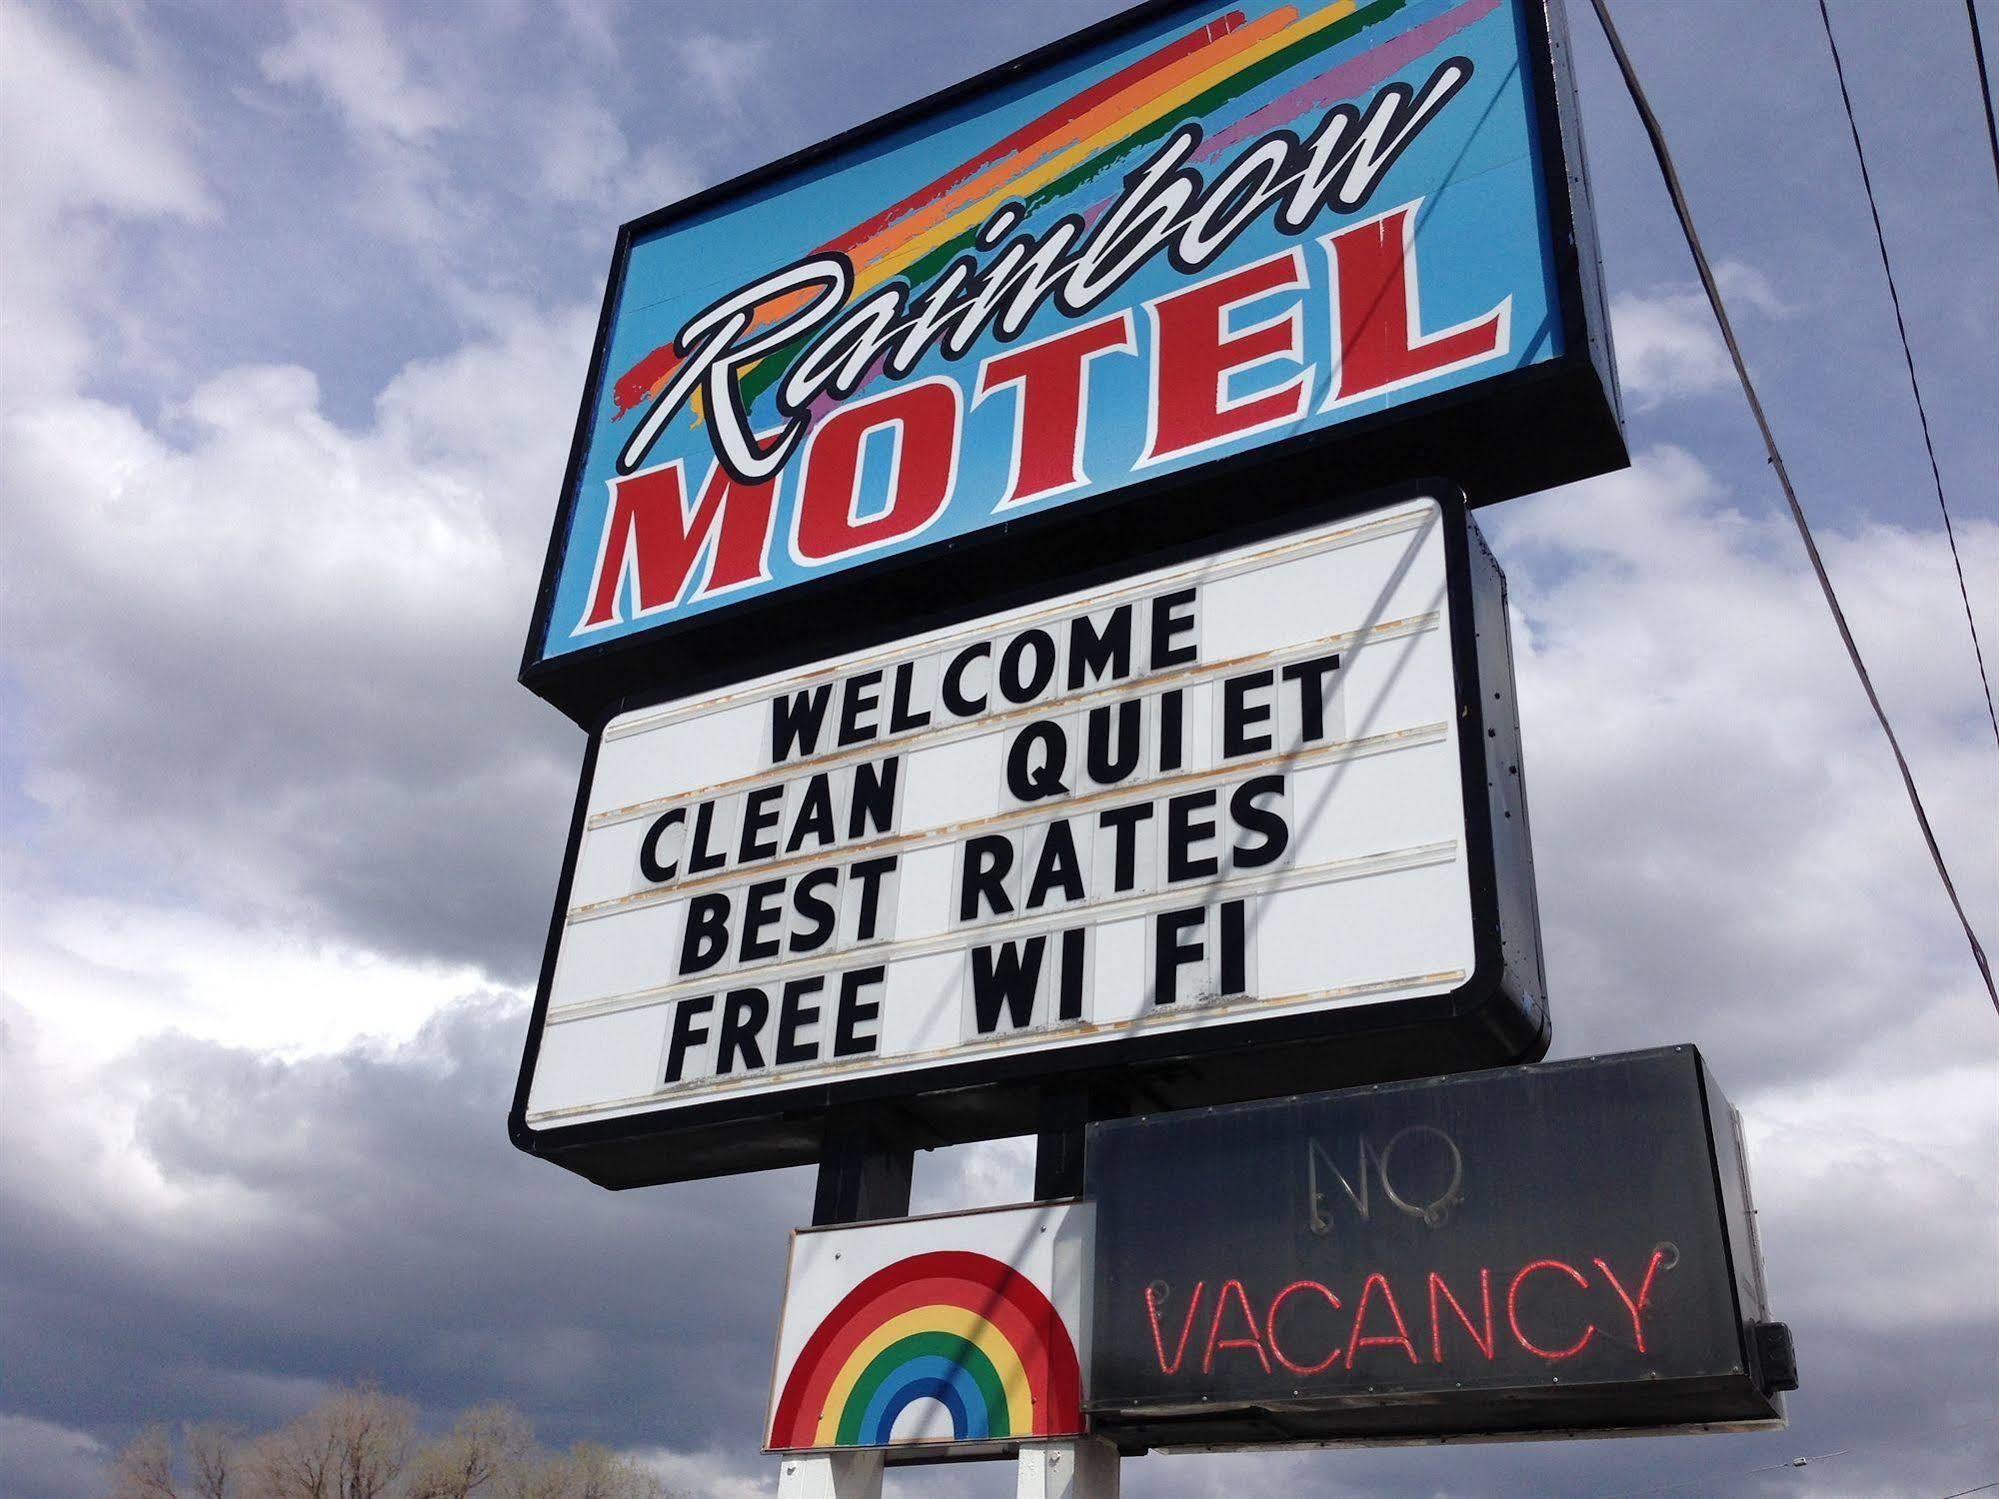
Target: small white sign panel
point(966, 1329)
point(1210, 794)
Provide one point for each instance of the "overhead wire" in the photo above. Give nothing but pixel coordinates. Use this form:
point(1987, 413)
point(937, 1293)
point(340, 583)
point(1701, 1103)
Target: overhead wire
point(1984, 84)
point(1909, 359)
point(1708, 1481)
point(1655, 134)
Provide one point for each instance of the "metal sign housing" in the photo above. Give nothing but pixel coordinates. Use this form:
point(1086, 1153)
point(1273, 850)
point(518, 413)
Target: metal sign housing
point(1047, 320)
point(1249, 822)
point(1537, 1250)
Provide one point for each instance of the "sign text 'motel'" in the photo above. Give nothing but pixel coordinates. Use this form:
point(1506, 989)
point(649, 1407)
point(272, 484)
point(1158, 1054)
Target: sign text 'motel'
point(1312, 237)
point(1270, 796)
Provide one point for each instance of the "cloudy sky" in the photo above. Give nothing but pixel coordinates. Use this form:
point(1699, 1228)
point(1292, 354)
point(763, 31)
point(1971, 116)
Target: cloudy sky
point(297, 304)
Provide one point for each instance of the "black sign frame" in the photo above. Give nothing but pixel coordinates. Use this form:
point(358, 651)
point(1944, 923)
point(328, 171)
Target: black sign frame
point(1226, 1192)
point(1498, 1015)
point(1492, 436)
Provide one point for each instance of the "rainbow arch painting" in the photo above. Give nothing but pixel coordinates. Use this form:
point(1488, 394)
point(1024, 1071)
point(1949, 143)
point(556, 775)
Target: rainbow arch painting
point(972, 1337)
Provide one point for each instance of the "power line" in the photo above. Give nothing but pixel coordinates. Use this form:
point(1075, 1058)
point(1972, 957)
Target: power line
point(1909, 359)
point(1657, 138)
point(1984, 83)
point(1708, 1480)
point(1979, 1490)
point(1713, 1478)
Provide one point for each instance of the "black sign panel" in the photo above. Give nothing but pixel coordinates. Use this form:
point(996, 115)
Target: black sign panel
point(1545, 1248)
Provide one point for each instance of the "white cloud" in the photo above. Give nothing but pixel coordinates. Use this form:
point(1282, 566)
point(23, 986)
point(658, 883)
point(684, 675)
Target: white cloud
point(584, 157)
point(971, 1176)
point(345, 51)
point(81, 132)
point(100, 974)
point(262, 661)
point(269, 660)
point(1835, 1152)
point(49, 1457)
point(581, 148)
point(1720, 833)
point(595, 25)
point(1744, 287)
point(84, 142)
point(200, 1232)
point(1668, 347)
point(727, 68)
point(713, 1475)
point(429, 147)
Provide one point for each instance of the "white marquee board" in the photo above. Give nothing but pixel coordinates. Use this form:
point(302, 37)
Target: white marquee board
point(1208, 795)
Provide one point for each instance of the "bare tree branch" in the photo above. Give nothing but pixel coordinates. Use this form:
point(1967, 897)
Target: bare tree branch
point(213, 1449)
point(351, 1446)
point(144, 1469)
point(362, 1444)
point(484, 1441)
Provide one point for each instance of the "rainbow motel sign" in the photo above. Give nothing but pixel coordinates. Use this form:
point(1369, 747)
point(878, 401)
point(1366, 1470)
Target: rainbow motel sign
point(1019, 574)
point(1187, 272)
point(1016, 569)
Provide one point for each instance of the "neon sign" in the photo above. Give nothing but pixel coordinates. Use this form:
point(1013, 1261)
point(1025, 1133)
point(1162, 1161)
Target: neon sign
point(1459, 1256)
point(1532, 1319)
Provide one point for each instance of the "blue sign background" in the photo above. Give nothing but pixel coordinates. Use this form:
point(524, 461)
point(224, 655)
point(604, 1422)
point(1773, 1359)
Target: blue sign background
point(1482, 237)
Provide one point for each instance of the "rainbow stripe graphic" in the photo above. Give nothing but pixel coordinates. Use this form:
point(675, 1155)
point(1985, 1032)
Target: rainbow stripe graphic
point(1066, 160)
point(953, 1326)
point(1052, 149)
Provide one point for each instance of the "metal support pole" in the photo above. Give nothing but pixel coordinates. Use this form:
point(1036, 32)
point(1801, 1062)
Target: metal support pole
point(865, 1166)
point(1086, 1468)
point(1058, 1143)
point(831, 1475)
point(864, 1171)
point(1065, 1114)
